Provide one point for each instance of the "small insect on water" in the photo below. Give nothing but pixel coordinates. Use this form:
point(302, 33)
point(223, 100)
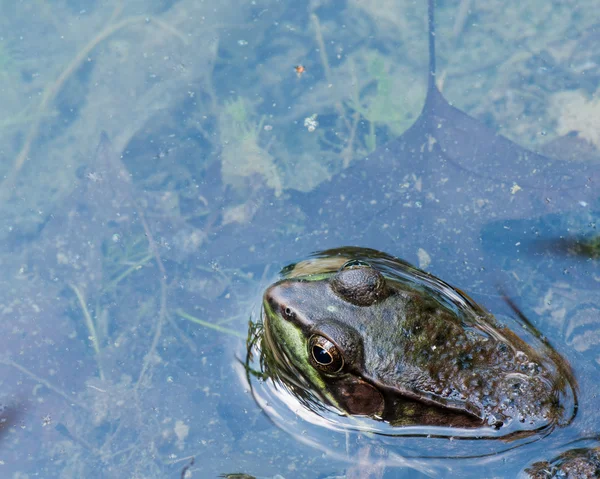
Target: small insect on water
point(299, 70)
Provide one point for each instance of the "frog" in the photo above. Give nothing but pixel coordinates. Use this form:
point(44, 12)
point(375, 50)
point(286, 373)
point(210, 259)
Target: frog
point(372, 336)
point(581, 462)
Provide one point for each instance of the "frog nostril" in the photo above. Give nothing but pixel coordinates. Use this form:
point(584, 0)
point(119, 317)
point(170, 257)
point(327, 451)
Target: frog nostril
point(288, 313)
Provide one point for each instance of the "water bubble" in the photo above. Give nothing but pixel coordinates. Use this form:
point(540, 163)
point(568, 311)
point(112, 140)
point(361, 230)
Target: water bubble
point(521, 356)
point(311, 123)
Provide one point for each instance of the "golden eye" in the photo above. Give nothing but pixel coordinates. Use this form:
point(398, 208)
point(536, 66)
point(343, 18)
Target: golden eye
point(324, 355)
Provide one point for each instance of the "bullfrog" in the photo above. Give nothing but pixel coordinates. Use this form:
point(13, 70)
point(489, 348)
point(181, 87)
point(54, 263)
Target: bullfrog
point(370, 335)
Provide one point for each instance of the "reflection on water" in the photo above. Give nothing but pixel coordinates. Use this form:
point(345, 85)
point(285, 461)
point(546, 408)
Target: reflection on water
point(129, 273)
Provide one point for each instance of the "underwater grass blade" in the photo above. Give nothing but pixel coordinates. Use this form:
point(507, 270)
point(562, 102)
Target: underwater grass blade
point(206, 324)
point(89, 323)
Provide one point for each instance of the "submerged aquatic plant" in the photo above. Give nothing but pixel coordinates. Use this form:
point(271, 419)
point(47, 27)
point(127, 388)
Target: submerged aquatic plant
point(382, 107)
point(243, 156)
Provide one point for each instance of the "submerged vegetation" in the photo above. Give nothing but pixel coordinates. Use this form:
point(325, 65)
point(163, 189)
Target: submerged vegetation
point(120, 331)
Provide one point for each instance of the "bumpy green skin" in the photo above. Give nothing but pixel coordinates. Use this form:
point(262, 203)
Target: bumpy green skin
point(411, 358)
point(574, 464)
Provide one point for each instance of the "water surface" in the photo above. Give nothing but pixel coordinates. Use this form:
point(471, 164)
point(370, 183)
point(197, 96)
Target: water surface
point(129, 273)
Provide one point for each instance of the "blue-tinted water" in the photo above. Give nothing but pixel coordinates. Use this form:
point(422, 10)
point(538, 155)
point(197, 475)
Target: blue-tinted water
point(114, 259)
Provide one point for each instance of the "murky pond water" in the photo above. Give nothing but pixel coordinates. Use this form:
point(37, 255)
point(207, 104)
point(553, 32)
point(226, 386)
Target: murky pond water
point(162, 161)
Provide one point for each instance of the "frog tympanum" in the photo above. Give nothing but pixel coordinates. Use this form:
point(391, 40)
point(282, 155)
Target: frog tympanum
point(371, 335)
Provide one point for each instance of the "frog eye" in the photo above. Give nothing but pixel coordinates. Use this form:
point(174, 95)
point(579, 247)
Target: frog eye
point(324, 355)
point(359, 283)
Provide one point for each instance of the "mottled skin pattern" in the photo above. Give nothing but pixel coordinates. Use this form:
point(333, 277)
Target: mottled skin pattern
point(411, 356)
point(581, 463)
